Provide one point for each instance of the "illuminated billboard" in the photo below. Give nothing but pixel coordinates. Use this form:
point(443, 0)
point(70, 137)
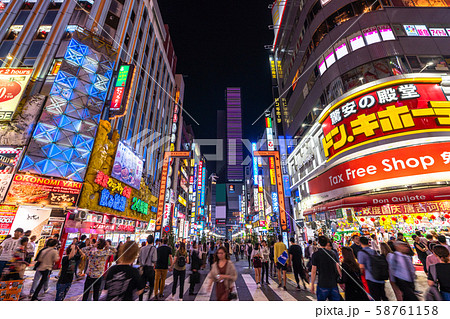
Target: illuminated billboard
point(392, 109)
point(121, 91)
point(277, 16)
point(127, 166)
point(13, 82)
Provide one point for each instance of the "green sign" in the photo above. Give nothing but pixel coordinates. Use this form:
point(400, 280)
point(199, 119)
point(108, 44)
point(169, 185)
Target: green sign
point(123, 75)
point(140, 206)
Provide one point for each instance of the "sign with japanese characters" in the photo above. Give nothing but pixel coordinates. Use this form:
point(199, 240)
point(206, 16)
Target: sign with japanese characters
point(32, 189)
point(140, 206)
point(13, 82)
point(400, 209)
point(116, 201)
point(383, 112)
point(427, 163)
point(122, 88)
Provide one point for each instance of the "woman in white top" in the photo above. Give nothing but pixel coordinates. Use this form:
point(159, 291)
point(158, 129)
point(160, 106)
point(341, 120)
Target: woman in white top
point(265, 252)
point(256, 258)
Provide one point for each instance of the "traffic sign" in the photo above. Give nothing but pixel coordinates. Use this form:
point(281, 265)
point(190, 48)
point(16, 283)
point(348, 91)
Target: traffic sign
point(166, 229)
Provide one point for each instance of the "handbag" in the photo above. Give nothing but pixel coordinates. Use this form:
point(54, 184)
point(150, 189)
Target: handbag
point(38, 263)
point(232, 295)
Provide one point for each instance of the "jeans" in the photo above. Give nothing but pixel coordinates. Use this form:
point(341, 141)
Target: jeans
point(265, 270)
point(236, 255)
point(332, 294)
point(249, 262)
point(407, 289)
point(44, 279)
point(377, 291)
point(36, 279)
point(178, 274)
point(160, 281)
point(62, 290)
point(96, 284)
point(445, 295)
point(148, 276)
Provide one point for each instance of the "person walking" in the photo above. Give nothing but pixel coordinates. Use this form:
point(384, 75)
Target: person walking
point(325, 262)
point(256, 258)
point(164, 255)
point(386, 251)
point(273, 269)
point(179, 270)
point(242, 248)
point(403, 271)
point(296, 260)
point(45, 262)
point(31, 248)
point(376, 286)
point(421, 250)
point(356, 247)
point(224, 274)
point(8, 247)
point(249, 249)
point(439, 274)
point(279, 248)
point(97, 255)
point(68, 270)
point(236, 250)
point(147, 259)
point(374, 243)
point(196, 264)
point(18, 263)
point(211, 253)
point(351, 277)
point(265, 253)
point(123, 282)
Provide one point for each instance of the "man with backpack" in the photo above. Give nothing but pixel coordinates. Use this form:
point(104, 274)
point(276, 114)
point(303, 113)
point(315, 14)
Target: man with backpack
point(375, 268)
point(147, 260)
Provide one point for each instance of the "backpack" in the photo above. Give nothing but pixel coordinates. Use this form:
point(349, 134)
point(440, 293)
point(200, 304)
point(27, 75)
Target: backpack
point(181, 261)
point(379, 267)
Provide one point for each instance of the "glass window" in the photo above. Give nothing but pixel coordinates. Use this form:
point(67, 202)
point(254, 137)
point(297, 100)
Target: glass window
point(112, 20)
point(49, 17)
point(356, 41)
point(43, 32)
point(341, 49)
point(322, 67)
point(5, 47)
point(21, 17)
point(34, 49)
point(28, 62)
point(13, 32)
point(116, 8)
point(386, 32)
point(330, 58)
point(371, 35)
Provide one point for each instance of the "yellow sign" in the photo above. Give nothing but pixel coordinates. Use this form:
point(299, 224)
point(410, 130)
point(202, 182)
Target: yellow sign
point(182, 200)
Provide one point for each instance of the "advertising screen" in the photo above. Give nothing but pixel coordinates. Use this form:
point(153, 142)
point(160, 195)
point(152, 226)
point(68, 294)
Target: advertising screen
point(13, 82)
point(127, 166)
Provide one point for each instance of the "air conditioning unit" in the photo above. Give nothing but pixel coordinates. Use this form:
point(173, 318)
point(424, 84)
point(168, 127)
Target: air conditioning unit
point(81, 215)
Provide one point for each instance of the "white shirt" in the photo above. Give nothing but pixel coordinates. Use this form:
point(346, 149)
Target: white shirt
point(9, 247)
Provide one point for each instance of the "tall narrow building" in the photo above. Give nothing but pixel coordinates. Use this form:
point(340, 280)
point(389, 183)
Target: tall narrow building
point(234, 135)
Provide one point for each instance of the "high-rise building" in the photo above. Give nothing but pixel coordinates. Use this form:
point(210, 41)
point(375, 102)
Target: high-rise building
point(235, 170)
point(362, 86)
point(96, 88)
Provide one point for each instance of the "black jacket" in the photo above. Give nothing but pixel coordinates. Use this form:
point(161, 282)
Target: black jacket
point(196, 262)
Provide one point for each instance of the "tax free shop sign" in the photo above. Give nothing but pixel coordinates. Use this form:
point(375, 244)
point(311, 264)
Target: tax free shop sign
point(404, 166)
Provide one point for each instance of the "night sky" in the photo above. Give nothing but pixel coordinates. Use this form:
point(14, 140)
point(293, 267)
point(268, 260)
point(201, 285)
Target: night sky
point(220, 43)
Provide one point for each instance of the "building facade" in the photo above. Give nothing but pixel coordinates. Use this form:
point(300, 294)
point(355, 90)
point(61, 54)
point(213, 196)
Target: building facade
point(93, 103)
point(340, 63)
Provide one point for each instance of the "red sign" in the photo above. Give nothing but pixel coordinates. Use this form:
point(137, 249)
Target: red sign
point(384, 112)
point(432, 194)
point(39, 190)
point(127, 228)
point(117, 98)
point(404, 162)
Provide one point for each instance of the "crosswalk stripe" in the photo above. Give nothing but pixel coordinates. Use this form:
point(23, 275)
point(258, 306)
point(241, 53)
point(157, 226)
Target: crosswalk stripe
point(204, 294)
point(256, 293)
point(284, 295)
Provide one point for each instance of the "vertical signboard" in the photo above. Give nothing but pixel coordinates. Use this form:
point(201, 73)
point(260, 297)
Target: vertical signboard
point(272, 170)
point(119, 102)
point(255, 165)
